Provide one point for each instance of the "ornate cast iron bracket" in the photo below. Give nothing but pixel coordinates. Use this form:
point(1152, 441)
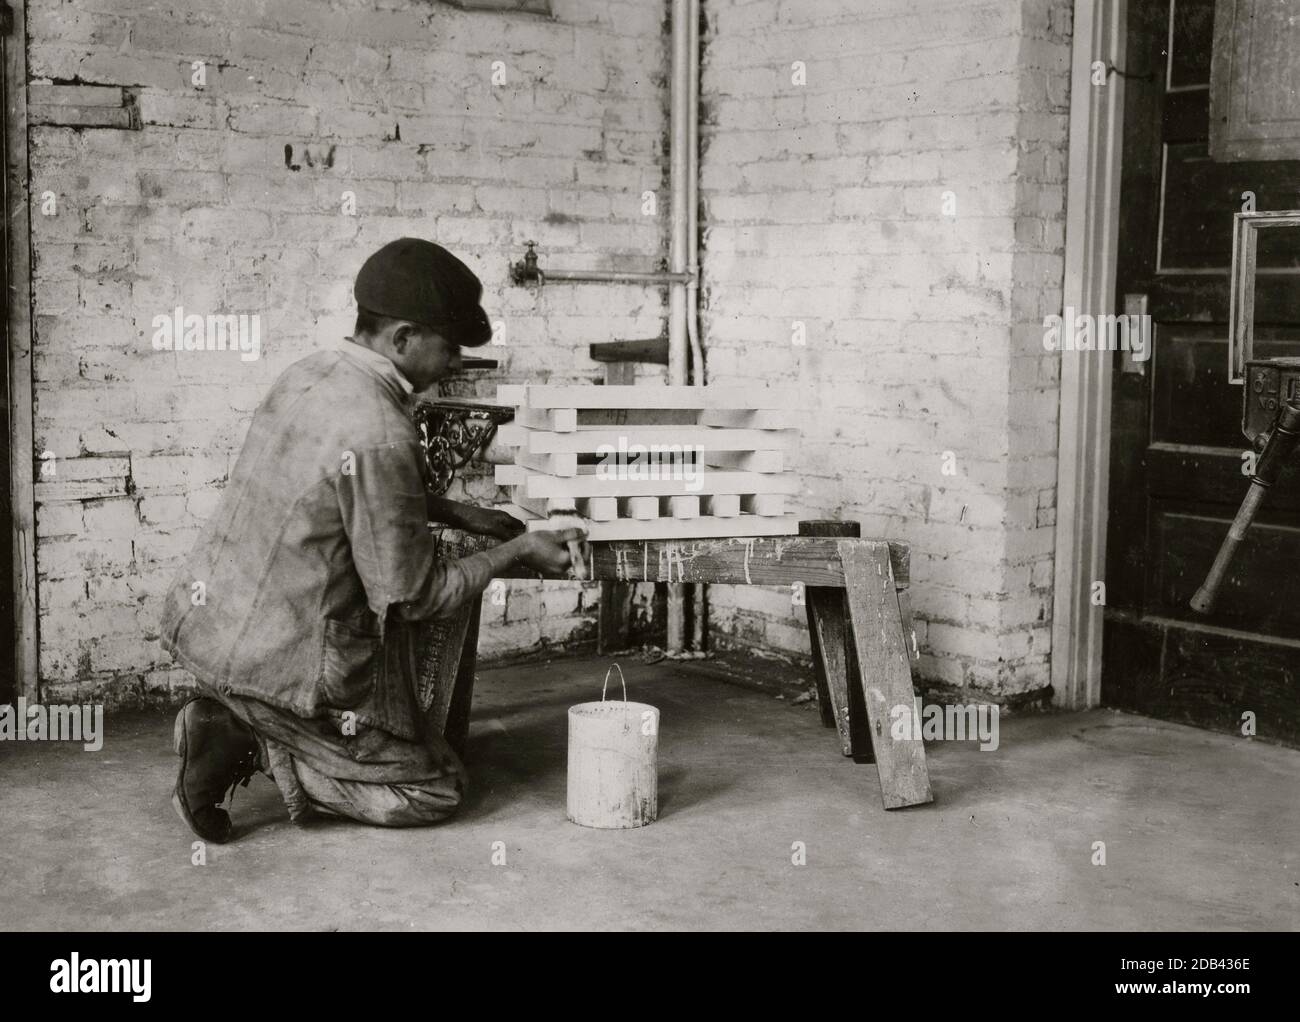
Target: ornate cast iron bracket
point(452, 432)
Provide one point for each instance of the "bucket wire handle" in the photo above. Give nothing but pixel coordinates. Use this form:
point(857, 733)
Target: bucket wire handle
point(606, 685)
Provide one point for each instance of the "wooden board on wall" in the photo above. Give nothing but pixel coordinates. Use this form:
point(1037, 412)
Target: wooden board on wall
point(1254, 99)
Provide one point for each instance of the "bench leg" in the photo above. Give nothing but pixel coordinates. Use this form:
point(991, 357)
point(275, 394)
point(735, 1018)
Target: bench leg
point(457, 729)
point(614, 618)
point(885, 670)
point(835, 664)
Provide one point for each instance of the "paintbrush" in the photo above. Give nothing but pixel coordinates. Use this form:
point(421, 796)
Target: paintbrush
point(559, 520)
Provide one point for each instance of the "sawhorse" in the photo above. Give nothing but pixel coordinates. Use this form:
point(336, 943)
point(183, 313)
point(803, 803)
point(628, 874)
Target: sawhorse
point(859, 618)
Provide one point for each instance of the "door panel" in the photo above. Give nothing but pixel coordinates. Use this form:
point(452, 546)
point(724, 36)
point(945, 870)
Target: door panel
point(1191, 372)
point(1176, 442)
point(1200, 196)
point(1184, 542)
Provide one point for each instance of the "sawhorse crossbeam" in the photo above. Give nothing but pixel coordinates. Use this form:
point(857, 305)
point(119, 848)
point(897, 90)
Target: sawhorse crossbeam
point(855, 591)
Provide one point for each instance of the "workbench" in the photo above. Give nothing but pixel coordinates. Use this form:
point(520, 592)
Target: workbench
point(855, 592)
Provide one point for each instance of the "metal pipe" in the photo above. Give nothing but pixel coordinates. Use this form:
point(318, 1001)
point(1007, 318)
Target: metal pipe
point(699, 604)
point(678, 173)
point(617, 276)
point(678, 187)
point(528, 271)
point(693, 199)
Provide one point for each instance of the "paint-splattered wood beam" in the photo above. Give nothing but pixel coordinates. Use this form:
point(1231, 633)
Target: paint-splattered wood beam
point(771, 561)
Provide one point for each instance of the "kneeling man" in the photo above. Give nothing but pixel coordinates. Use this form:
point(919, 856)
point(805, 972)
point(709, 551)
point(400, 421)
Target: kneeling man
point(291, 609)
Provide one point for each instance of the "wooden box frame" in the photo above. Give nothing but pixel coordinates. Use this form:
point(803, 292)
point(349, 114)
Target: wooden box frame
point(1241, 293)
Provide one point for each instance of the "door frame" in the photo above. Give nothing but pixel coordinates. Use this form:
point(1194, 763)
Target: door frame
point(18, 330)
point(1083, 439)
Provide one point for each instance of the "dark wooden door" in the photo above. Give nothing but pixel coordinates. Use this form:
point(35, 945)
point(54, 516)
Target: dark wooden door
point(1176, 450)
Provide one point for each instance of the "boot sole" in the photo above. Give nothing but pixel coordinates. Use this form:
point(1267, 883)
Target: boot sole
point(181, 745)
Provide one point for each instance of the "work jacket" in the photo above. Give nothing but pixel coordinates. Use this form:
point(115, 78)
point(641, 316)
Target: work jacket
point(320, 544)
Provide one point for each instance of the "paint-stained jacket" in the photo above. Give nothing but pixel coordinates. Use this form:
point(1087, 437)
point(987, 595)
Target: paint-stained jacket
point(320, 536)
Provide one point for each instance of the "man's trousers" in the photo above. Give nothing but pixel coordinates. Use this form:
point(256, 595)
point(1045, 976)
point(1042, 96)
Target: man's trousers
point(373, 776)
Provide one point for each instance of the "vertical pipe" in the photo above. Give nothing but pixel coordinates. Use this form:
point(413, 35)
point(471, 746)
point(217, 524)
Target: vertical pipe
point(678, 170)
point(698, 605)
point(17, 304)
point(693, 195)
point(678, 187)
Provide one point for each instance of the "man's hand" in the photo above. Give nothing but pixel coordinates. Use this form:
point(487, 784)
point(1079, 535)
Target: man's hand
point(548, 551)
point(486, 521)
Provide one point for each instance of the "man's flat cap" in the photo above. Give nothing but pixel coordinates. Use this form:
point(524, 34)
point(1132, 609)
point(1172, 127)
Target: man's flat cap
point(414, 279)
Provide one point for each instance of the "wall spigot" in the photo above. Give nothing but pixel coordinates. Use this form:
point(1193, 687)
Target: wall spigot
point(525, 271)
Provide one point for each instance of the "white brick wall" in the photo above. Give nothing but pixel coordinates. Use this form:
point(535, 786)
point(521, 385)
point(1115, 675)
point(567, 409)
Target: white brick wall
point(824, 205)
point(393, 102)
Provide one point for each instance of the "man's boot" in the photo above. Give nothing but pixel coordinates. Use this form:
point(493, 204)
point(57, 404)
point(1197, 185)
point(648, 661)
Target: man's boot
point(218, 752)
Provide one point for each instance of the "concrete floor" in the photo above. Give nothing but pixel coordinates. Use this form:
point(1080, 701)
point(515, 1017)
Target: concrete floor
point(1200, 830)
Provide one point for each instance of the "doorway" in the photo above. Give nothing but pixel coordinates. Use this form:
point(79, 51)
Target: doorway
point(1176, 446)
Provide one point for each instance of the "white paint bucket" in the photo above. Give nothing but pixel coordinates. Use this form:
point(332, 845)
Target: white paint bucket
point(613, 762)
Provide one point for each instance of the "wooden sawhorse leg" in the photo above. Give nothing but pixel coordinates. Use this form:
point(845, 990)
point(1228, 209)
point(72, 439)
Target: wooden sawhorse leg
point(885, 669)
point(834, 658)
point(457, 730)
point(446, 656)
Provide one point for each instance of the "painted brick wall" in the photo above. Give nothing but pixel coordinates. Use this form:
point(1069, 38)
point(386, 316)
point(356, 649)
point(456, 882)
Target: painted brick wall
point(231, 200)
point(935, 407)
point(824, 204)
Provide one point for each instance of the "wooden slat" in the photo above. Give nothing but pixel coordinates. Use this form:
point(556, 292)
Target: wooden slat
point(557, 420)
point(639, 508)
point(542, 508)
point(737, 561)
point(510, 475)
point(688, 529)
point(750, 418)
point(444, 402)
point(552, 464)
point(765, 504)
point(679, 507)
point(592, 440)
point(598, 509)
point(588, 484)
point(745, 461)
point(722, 505)
point(551, 396)
point(757, 560)
point(886, 670)
point(634, 417)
